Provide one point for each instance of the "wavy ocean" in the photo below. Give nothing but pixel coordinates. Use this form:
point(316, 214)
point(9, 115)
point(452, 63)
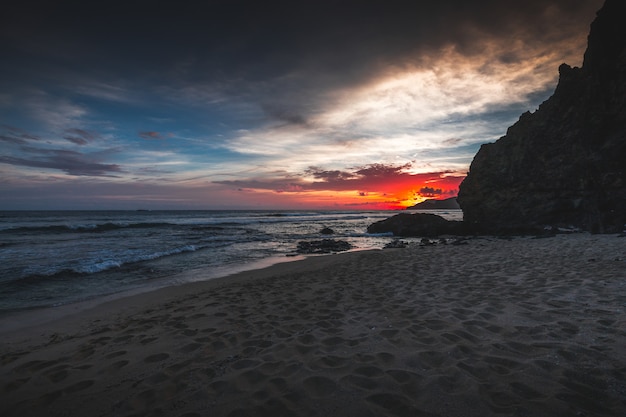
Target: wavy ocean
point(50, 258)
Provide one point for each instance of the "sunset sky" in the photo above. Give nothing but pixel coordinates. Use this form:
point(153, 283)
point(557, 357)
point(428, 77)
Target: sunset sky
point(240, 104)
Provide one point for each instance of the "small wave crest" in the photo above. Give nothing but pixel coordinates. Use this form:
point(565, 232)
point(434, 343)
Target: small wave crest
point(84, 228)
point(103, 265)
point(93, 266)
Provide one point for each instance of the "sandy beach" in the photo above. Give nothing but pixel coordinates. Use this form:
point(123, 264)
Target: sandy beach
point(492, 327)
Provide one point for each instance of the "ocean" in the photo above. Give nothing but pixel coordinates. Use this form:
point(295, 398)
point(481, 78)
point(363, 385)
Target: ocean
point(52, 258)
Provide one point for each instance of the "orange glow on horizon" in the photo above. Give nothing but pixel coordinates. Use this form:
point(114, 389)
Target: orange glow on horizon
point(396, 195)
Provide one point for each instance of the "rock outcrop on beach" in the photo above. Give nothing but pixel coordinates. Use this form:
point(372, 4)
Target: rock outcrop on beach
point(420, 224)
point(323, 246)
point(564, 164)
point(432, 204)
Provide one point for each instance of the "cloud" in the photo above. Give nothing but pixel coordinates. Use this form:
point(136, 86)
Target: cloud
point(284, 114)
point(53, 112)
point(80, 136)
point(152, 170)
point(116, 92)
point(150, 135)
point(16, 136)
point(435, 192)
point(70, 162)
point(382, 171)
point(329, 176)
point(437, 102)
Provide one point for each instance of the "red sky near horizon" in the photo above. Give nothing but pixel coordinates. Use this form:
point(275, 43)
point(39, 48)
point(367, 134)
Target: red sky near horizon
point(377, 186)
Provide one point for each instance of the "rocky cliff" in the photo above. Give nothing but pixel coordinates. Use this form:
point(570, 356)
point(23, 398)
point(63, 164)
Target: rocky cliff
point(447, 204)
point(564, 164)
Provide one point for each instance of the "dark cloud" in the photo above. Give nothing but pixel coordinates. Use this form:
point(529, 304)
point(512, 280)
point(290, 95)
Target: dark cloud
point(79, 136)
point(32, 152)
point(435, 192)
point(150, 135)
point(14, 135)
point(330, 176)
point(14, 139)
point(382, 170)
point(285, 114)
point(452, 141)
point(153, 171)
point(255, 41)
point(362, 178)
point(70, 162)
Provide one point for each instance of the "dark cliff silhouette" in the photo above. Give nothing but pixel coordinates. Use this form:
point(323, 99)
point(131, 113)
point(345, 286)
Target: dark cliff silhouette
point(447, 204)
point(565, 164)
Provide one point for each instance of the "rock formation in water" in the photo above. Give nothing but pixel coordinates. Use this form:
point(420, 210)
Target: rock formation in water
point(564, 164)
point(420, 224)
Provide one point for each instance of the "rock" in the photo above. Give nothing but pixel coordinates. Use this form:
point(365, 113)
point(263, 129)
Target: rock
point(327, 231)
point(323, 246)
point(565, 164)
point(396, 244)
point(419, 224)
point(447, 204)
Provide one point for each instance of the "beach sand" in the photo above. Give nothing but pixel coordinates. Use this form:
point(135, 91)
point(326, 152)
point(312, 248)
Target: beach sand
point(494, 327)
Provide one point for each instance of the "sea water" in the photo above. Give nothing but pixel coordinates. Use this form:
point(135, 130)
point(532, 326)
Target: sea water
point(50, 258)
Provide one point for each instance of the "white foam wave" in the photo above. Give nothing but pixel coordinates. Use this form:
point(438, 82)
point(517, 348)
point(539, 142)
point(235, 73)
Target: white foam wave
point(103, 265)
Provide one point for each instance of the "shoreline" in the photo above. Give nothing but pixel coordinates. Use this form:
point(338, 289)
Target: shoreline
point(129, 251)
point(15, 322)
point(495, 327)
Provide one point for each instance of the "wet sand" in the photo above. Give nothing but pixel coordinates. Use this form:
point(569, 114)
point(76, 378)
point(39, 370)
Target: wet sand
point(494, 327)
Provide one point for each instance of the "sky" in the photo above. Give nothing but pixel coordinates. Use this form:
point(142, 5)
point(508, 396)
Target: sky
point(240, 104)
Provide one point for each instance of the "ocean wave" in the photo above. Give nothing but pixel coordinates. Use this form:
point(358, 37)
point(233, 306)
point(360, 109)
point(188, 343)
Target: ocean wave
point(103, 265)
point(93, 266)
point(287, 219)
point(385, 234)
point(84, 228)
point(97, 267)
point(204, 228)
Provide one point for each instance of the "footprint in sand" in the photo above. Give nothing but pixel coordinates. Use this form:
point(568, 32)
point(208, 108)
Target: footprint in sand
point(118, 365)
point(122, 339)
point(57, 376)
point(395, 404)
point(115, 354)
point(156, 358)
point(35, 366)
point(319, 386)
point(360, 382)
point(147, 340)
point(401, 376)
point(15, 384)
point(190, 347)
point(79, 386)
point(369, 371)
